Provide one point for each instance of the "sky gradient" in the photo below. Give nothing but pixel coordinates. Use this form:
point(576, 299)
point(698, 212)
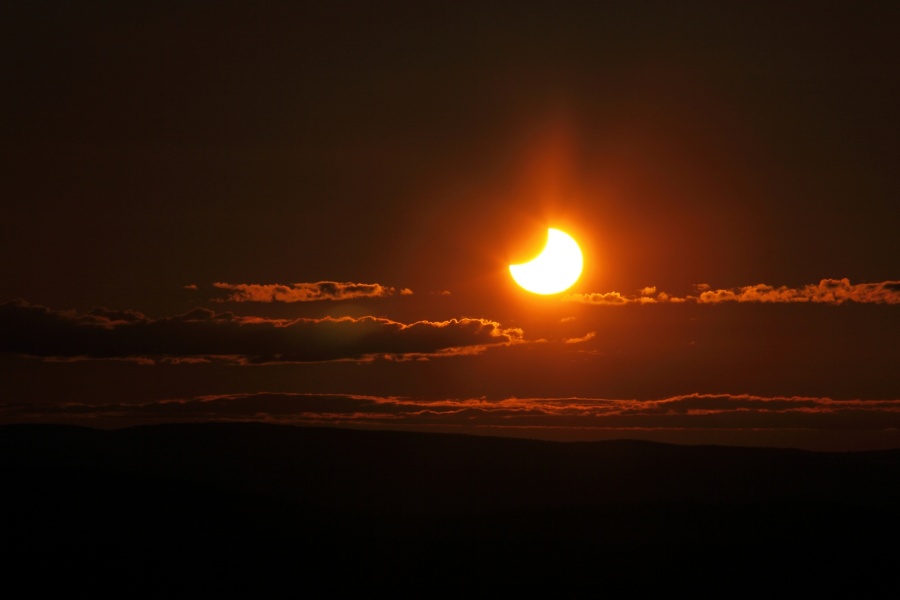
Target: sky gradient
point(306, 215)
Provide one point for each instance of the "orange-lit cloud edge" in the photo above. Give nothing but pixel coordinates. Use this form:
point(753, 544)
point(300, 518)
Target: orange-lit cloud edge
point(204, 335)
point(827, 291)
point(864, 423)
point(304, 292)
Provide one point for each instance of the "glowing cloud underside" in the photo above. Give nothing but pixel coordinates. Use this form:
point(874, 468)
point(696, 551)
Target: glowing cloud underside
point(555, 269)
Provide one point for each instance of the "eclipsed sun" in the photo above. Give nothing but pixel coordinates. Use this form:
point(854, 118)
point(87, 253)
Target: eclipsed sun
point(555, 269)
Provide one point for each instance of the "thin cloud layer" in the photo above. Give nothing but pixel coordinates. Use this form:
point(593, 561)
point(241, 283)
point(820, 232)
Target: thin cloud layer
point(305, 292)
point(578, 418)
point(827, 291)
point(203, 334)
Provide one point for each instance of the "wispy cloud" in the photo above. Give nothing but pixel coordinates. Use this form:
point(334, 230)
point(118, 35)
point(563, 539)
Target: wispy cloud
point(203, 334)
point(305, 292)
point(579, 340)
point(827, 291)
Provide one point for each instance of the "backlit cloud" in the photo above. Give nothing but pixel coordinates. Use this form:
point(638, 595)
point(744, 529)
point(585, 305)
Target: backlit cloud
point(203, 334)
point(305, 292)
point(827, 291)
point(702, 416)
point(604, 299)
point(579, 340)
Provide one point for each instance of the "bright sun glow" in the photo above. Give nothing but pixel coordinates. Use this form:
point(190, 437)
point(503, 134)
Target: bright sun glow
point(555, 269)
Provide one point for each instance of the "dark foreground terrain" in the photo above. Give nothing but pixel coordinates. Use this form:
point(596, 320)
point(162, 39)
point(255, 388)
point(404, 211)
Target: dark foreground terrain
point(230, 507)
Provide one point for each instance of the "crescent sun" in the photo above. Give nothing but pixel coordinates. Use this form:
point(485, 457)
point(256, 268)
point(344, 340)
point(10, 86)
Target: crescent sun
point(555, 269)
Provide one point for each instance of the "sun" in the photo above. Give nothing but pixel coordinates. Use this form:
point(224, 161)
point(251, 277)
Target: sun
point(555, 269)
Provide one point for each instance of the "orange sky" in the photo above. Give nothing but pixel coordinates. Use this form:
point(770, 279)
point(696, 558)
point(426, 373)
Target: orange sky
point(307, 215)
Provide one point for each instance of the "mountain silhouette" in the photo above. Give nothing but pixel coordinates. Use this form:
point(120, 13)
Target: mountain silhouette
point(217, 502)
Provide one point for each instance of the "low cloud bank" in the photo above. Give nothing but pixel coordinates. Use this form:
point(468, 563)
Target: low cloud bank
point(690, 417)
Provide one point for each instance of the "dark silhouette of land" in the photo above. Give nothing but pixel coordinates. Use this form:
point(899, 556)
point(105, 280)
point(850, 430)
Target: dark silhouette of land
point(228, 503)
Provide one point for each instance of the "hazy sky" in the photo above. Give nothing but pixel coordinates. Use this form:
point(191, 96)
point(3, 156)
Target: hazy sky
point(306, 215)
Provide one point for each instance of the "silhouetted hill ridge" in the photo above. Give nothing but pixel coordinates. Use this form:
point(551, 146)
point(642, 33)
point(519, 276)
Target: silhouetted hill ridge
point(408, 472)
point(227, 499)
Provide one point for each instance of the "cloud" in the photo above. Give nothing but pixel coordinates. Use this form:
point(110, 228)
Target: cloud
point(203, 334)
point(692, 416)
point(604, 299)
point(827, 291)
point(581, 339)
point(305, 292)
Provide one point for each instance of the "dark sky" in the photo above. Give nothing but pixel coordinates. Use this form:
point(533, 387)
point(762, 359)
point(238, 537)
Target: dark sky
point(740, 158)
